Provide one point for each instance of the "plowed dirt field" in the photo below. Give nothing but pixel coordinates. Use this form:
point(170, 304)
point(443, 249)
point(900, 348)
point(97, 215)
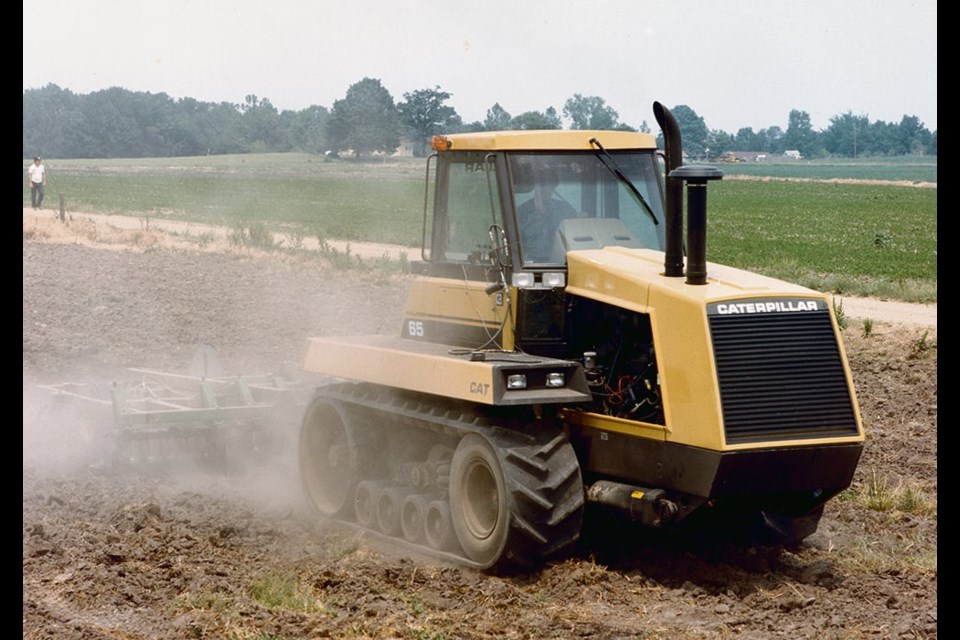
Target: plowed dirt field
point(179, 553)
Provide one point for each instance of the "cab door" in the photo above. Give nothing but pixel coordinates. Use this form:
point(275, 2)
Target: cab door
point(450, 303)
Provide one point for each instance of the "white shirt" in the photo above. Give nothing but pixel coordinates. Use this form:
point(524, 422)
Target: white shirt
point(36, 173)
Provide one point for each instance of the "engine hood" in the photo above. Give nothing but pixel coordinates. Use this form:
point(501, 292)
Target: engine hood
point(633, 278)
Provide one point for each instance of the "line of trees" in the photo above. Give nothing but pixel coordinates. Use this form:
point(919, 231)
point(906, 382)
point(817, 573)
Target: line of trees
point(846, 136)
point(118, 123)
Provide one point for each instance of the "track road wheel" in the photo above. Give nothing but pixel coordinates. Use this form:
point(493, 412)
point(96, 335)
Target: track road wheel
point(365, 503)
point(437, 528)
point(413, 512)
point(515, 499)
point(388, 511)
point(329, 464)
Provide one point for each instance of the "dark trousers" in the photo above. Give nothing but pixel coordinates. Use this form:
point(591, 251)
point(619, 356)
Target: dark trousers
point(36, 194)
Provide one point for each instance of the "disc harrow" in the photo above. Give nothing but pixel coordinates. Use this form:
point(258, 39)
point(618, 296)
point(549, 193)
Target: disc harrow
point(159, 417)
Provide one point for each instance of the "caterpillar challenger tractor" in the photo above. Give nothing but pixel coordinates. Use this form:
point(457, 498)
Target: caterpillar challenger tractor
point(566, 347)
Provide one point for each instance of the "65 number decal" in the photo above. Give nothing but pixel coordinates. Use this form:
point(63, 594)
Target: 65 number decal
point(415, 328)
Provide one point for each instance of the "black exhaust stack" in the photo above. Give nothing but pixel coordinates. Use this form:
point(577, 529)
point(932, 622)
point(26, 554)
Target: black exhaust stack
point(696, 177)
point(673, 192)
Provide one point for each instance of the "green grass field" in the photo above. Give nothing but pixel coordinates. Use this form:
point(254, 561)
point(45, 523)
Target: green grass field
point(901, 168)
point(856, 239)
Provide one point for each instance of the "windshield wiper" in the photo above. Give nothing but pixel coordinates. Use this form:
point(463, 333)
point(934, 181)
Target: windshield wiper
point(614, 168)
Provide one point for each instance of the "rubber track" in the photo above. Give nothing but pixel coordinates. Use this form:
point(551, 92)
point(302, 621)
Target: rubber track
point(540, 466)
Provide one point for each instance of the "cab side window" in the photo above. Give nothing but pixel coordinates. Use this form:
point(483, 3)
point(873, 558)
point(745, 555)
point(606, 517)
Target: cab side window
point(472, 206)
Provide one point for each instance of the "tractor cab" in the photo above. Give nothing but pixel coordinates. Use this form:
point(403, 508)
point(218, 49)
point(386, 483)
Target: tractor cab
point(507, 207)
point(541, 194)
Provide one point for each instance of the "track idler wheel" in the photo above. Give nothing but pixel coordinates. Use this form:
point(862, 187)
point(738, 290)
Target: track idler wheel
point(330, 462)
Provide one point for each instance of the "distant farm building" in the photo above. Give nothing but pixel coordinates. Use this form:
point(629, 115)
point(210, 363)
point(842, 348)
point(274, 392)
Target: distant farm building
point(744, 156)
point(405, 149)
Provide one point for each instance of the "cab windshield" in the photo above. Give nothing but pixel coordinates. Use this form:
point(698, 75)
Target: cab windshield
point(570, 201)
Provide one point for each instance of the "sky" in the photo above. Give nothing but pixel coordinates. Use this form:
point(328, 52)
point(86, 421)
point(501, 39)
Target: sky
point(737, 63)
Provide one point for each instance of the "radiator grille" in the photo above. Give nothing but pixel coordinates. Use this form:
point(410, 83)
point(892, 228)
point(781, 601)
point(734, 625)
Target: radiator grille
point(781, 375)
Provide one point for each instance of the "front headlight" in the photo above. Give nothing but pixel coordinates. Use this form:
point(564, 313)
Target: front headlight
point(553, 279)
point(523, 280)
point(555, 380)
point(517, 381)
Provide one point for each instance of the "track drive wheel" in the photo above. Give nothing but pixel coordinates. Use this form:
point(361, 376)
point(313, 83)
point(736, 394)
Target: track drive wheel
point(329, 457)
point(516, 498)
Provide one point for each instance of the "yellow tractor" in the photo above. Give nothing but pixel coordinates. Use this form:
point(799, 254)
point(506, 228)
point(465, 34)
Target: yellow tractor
point(565, 345)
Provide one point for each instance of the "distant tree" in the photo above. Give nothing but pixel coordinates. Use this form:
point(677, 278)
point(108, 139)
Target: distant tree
point(364, 121)
point(801, 136)
point(746, 140)
point(111, 125)
point(261, 126)
point(553, 118)
point(771, 139)
point(190, 128)
point(910, 136)
point(425, 114)
point(165, 132)
point(693, 130)
point(306, 128)
point(53, 124)
point(590, 112)
point(846, 135)
point(719, 142)
point(222, 124)
point(884, 139)
point(498, 118)
point(471, 127)
point(531, 120)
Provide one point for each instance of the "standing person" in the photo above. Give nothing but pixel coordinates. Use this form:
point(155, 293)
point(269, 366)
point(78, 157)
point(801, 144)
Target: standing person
point(37, 177)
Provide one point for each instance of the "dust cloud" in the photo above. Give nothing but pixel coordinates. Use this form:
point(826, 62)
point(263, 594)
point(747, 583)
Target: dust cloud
point(69, 430)
point(90, 316)
point(61, 435)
